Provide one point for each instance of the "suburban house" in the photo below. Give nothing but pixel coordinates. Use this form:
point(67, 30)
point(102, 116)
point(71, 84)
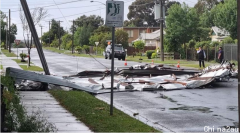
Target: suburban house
point(151, 39)
point(134, 32)
point(218, 34)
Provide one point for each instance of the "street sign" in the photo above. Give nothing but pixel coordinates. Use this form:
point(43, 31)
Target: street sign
point(96, 43)
point(17, 41)
point(114, 13)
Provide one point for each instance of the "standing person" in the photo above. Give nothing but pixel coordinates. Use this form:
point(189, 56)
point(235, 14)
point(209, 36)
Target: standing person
point(201, 56)
point(220, 55)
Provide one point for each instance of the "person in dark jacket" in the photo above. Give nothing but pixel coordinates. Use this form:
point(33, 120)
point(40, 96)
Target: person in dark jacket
point(201, 56)
point(220, 55)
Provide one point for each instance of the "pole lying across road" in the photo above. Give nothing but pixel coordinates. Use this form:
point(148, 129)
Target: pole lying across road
point(35, 36)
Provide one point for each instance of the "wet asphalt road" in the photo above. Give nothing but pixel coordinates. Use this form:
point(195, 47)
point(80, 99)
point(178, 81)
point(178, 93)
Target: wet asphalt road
point(188, 110)
point(60, 64)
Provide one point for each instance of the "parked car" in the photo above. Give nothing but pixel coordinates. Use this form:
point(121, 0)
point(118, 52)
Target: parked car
point(119, 52)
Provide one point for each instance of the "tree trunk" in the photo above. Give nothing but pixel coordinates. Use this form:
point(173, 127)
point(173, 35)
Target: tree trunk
point(29, 51)
point(207, 54)
point(29, 56)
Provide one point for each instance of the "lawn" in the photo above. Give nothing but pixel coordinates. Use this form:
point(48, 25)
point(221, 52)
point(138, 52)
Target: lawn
point(31, 68)
point(95, 113)
point(184, 63)
point(6, 52)
point(68, 52)
point(19, 61)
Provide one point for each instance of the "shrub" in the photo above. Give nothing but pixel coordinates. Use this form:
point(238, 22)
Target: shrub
point(138, 54)
point(79, 49)
point(98, 49)
point(86, 48)
point(154, 55)
point(2, 45)
point(69, 46)
point(139, 45)
point(16, 118)
point(44, 44)
point(149, 53)
point(23, 56)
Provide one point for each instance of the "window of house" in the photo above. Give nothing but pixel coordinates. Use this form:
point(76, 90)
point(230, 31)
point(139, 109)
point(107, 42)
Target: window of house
point(130, 33)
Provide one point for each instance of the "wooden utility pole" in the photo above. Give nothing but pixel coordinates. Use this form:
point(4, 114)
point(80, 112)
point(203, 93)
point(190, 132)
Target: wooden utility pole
point(73, 37)
point(35, 36)
point(59, 33)
point(9, 42)
point(6, 44)
point(41, 33)
point(162, 2)
point(238, 37)
point(49, 32)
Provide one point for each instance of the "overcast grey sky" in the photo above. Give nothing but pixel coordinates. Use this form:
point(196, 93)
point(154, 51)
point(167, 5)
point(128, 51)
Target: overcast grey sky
point(70, 11)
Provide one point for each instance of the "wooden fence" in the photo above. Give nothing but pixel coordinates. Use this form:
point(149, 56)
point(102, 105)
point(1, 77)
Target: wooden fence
point(132, 50)
point(167, 55)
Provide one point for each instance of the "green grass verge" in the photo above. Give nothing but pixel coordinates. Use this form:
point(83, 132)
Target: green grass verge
point(4, 51)
point(19, 61)
point(67, 52)
point(31, 68)
point(95, 113)
point(183, 63)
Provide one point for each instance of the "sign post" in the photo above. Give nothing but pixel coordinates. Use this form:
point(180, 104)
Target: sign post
point(96, 46)
point(17, 42)
point(114, 18)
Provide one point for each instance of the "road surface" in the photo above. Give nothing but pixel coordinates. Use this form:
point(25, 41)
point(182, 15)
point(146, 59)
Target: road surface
point(189, 110)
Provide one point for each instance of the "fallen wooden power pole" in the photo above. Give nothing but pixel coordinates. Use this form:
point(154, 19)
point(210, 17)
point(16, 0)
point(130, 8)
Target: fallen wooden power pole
point(35, 36)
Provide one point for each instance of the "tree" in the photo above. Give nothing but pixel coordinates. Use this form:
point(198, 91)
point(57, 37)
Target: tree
point(92, 20)
point(206, 19)
point(182, 24)
point(225, 16)
point(143, 10)
point(129, 24)
point(102, 29)
point(122, 38)
point(202, 34)
point(3, 28)
point(13, 31)
point(38, 14)
point(54, 42)
point(139, 45)
point(228, 40)
point(65, 40)
point(100, 35)
point(138, 14)
point(50, 35)
point(82, 35)
point(205, 5)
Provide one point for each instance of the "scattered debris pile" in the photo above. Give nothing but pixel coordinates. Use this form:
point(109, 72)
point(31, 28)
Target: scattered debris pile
point(138, 77)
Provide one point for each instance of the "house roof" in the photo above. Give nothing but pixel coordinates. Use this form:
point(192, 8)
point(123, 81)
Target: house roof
point(150, 36)
point(220, 32)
